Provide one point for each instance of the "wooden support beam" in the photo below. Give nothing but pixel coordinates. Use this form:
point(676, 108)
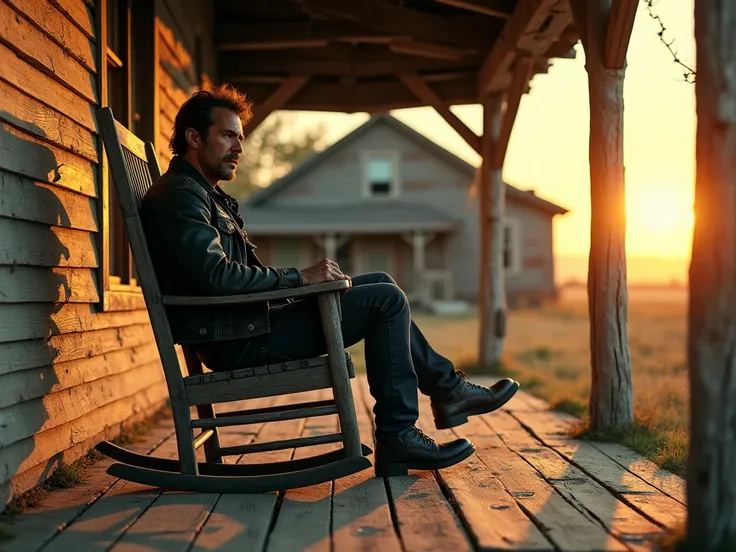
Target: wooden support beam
point(247, 35)
point(528, 16)
point(711, 495)
point(339, 60)
point(399, 20)
point(283, 93)
point(419, 87)
point(518, 88)
point(620, 24)
point(413, 47)
point(491, 200)
point(491, 9)
point(377, 96)
point(611, 403)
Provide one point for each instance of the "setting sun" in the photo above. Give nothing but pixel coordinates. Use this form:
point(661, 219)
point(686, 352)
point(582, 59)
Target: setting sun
point(661, 211)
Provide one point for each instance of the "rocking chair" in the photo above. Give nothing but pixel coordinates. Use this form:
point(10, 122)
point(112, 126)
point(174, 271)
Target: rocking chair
point(133, 166)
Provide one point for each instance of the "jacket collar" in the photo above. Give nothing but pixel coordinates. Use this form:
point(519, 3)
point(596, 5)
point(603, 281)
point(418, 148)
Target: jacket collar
point(182, 166)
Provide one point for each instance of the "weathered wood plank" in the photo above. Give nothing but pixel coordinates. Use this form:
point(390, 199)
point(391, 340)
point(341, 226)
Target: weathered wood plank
point(568, 528)
point(109, 517)
point(658, 507)
point(43, 122)
point(22, 420)
point(25, 199)
point(60, 29)
point(59, 510)
point(665, 481)
point(241, 522)
point(177, 92)
point(361, 514)
point(32, 384)
point(174, 54)
point(24, 321)
point(36, 48)
point(123, 505)
point(308, 508)
point(24, 355)
point(584, 492)
point(46, 89)
point(78, 13)
point(492, 518)
point(23, 455)
point(34, 244)
point(24, 284)
point(28, 156)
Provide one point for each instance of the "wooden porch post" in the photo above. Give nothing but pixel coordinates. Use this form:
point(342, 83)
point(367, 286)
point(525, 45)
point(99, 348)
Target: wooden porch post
point(419, 244)
point(611, 395)
point(491, 291)
point(711, 491)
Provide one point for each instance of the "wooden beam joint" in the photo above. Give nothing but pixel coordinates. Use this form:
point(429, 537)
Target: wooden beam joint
point(620, 25)
point(422, 91)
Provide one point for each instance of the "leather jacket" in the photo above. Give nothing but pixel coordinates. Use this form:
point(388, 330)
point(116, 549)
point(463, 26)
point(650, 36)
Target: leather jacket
point(199, 247)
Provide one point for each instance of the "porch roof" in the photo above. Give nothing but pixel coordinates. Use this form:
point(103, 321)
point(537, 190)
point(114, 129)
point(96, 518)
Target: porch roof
point(376, 55)
point(376, 217)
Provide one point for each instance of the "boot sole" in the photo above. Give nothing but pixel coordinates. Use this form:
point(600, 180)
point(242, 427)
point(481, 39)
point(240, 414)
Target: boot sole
point(462, 418)
point(400, 468)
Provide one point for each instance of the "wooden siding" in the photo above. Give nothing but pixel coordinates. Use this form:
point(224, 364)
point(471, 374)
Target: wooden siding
point(182, 70)
point(70, 375)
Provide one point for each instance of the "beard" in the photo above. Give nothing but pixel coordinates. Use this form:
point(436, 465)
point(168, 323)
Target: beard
point(223, 170)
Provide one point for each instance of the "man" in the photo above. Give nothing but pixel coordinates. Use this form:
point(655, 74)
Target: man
point(199, 247)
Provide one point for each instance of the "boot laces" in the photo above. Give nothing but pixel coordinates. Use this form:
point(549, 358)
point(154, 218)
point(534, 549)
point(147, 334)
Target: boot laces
point(464, 375)
point(426, 438)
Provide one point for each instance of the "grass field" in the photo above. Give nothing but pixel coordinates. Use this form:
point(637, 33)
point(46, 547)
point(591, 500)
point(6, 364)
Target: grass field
point(547, 350)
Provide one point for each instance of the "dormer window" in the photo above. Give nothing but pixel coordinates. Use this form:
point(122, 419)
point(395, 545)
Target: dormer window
point(381, 174)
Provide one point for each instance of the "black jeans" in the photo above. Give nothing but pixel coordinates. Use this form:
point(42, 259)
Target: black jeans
point(398, 357)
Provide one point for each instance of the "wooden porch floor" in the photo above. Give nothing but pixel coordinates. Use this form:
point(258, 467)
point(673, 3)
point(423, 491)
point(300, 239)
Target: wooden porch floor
point(528, 487)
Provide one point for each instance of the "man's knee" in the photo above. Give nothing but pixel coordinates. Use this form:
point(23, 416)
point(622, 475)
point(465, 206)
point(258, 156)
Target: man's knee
point(379, 278)
point(393, 297)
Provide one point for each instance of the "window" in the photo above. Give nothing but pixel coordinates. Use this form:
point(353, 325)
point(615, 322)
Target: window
point(119, 85)
point(381, 174)
point(512, 253)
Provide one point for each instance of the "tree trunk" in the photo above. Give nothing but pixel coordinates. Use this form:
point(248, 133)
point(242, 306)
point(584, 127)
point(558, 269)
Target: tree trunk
point(491, 199)
point(611, 395)
point(711, 484)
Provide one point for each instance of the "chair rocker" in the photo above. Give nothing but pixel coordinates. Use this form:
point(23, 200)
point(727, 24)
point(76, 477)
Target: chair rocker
point(133, 166)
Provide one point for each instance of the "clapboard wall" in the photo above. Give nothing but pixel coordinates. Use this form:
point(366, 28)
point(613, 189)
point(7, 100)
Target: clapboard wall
point(70, 373)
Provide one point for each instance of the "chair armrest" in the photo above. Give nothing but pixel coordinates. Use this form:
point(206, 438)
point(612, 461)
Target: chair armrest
point(211, 301)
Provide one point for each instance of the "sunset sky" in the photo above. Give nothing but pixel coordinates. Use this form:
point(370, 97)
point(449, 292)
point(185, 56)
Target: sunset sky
point(548, 150)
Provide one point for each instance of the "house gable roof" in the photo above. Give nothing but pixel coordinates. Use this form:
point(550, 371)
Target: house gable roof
point(525, 197)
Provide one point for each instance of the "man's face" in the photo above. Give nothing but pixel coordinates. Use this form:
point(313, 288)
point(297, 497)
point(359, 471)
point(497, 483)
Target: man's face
point(220, 152)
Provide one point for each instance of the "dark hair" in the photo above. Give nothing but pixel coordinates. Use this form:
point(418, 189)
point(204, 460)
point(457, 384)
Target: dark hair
point(196, 113)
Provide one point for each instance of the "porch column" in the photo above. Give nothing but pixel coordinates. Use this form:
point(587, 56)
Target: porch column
point(419, 245)
point(604, 28)
point(711, 494)
point(330, 246)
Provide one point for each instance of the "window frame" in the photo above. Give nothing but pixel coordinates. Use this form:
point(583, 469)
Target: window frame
point(513, 225)
point(394, 157)
point(119, 292)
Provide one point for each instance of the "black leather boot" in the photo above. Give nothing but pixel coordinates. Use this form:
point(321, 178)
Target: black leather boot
point(472, 399)
point(413, 450)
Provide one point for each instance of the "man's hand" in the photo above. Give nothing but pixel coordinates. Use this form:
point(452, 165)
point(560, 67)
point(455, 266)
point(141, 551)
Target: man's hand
point(322, 271)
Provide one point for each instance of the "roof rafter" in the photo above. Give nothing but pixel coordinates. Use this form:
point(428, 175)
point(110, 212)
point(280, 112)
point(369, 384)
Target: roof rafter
point(395, 19)
point(283, 93)
point(533, 27)
point(420, 88)
point(520, 82)
point(491, 9)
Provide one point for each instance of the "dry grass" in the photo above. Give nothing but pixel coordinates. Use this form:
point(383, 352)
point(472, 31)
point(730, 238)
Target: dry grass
point(547, 350)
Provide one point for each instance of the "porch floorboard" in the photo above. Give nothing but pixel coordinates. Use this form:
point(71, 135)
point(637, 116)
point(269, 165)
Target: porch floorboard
point(528, 487)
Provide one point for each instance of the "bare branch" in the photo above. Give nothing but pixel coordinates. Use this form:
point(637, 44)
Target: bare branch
point(689, 74)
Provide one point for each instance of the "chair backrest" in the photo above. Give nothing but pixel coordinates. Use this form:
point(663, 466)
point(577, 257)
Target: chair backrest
point(133, 166)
